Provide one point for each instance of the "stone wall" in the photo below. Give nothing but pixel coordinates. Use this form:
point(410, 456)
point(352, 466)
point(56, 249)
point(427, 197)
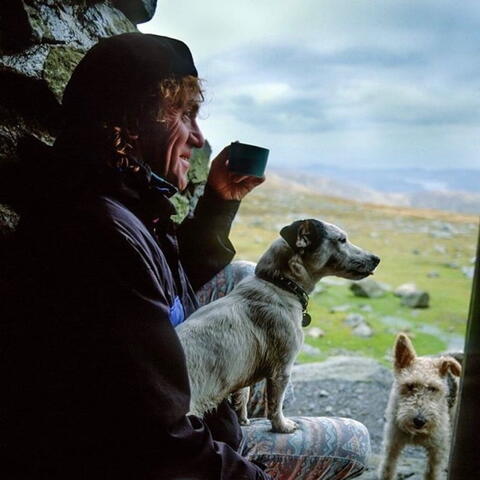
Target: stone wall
point(41, 42)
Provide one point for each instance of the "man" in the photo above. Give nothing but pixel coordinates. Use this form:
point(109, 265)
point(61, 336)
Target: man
point(96, 381)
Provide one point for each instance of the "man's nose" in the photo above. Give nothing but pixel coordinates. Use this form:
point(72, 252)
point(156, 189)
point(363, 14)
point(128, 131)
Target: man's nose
point(196, 136)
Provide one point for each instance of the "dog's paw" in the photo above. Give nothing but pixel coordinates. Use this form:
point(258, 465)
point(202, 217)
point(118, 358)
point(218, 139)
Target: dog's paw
point(244, 421)
point(286, 426)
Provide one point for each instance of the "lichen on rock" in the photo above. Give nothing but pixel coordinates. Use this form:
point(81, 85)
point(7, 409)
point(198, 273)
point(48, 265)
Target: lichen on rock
point(58, 67)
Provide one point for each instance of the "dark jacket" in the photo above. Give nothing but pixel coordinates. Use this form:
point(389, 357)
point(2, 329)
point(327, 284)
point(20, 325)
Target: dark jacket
point(94, 377)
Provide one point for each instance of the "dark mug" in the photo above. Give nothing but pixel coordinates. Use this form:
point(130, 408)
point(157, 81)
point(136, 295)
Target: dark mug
point(247, 159)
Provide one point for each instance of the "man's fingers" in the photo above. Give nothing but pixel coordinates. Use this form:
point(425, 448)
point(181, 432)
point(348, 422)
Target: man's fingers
point(239, 178)
point(254, 181)
point(222, 157)
point(258, 180)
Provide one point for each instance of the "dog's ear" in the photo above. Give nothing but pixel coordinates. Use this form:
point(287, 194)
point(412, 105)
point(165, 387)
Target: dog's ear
point(404, 352)
point(449, 364)
point(302, 234)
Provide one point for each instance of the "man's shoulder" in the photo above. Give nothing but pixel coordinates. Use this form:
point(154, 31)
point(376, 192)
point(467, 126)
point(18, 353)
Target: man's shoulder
point(110, 214)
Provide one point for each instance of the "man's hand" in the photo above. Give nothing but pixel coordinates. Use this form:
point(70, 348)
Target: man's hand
point(229, 185)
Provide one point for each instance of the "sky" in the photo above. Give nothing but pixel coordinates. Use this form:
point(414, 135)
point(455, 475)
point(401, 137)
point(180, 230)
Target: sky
point(363, 83)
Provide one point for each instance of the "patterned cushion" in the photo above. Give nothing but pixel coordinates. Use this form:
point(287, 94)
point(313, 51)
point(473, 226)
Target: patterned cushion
point(322, 448)
point(224, 281)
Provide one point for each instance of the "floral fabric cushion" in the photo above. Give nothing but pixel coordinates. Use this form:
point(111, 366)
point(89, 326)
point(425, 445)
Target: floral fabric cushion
point(224, 281)
point(322, 448)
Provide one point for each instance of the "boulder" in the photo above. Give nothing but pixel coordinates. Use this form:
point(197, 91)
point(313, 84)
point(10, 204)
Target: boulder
point(369, 288)
point(396, 324)
point(197, 176)
point(199, 163)
point(309, 350)
point(451, 265)
point(417, 299)
point(319, 288)
point(334, 281)
point(468, 271)
point(137, 11)
point(412, 296)
point(8, 222)
point(366, 308)
point(405, 289)
point(315, 332)
point(41, 42)
point(354, 319)
point(440, 249)
point(363, 330)
point(340, 308)
point(76, 23)
point(441, 234)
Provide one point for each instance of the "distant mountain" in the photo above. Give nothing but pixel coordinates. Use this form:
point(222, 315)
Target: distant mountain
point(451, 190)
point(461, 202)
point(403, 180)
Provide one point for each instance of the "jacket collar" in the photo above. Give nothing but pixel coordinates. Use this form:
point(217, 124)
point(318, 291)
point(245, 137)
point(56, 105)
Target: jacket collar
point(162, 186)
point(147, 196)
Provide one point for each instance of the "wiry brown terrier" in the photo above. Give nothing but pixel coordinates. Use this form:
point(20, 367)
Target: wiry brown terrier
point(420, 409)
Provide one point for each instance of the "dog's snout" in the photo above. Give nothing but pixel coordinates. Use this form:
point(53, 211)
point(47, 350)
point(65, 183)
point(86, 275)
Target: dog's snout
point(374, 259)
point(419, 421)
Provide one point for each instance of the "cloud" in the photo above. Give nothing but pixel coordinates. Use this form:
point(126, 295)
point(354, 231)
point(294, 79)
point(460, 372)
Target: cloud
point(315, 92)
point(366, 80)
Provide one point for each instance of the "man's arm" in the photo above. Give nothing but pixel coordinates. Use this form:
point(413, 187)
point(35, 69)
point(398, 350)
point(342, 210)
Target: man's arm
point(203, 238)
point(205, 248)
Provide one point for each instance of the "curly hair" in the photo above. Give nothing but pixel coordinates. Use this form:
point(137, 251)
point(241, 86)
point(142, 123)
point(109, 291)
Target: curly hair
point(185, 93)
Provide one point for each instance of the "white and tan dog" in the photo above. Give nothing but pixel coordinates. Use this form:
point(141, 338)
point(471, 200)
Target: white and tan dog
point(255, 332)
point(420, 409)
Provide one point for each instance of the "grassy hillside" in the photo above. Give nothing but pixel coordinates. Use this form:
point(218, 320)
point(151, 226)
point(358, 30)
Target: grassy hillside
point(426, 247)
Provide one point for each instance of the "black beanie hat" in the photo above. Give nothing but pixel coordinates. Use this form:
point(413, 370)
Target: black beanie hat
point(116, 74)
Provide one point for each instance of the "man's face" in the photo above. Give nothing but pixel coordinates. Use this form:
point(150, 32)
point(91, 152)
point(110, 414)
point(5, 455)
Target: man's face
point(168, 145)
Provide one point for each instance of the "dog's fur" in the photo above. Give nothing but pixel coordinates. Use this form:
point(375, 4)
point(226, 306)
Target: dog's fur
point(255, 332)
point(420, 409)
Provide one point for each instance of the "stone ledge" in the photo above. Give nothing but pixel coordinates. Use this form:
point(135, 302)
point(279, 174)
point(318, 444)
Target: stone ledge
point(137, 11)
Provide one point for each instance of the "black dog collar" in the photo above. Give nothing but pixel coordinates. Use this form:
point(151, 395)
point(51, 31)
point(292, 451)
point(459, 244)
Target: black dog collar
point(292, 287)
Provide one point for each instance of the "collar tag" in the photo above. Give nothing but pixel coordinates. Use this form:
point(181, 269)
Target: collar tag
point(306, 319)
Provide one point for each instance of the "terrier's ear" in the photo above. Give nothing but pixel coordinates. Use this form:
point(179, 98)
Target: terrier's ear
point(404, 352)
point(301, 234)
point(449, 364)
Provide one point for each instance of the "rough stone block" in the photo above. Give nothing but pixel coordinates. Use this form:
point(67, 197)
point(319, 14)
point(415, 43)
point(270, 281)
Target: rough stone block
point(25, 91)
point(8, 222)
point(368, 288)
point(199, 164)
point(418, 299)
point(405, 289)
point(77, 23)
point(15, 29)
point(58, 67)
point(137, 11)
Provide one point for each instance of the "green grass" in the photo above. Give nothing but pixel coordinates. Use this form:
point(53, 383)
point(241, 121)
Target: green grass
point(394, 235)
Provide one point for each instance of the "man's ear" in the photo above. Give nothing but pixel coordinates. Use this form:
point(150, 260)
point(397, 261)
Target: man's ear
point(301, 234)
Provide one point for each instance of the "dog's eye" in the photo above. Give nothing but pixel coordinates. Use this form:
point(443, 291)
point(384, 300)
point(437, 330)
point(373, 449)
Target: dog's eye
point(432, 389)
point(410, 387)
point(342, 240)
